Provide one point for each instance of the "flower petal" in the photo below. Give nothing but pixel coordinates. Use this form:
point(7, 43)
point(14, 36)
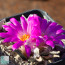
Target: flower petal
point(60, 31)
point(17, 45)
point(4, 35)
point(14, 39)
point(16, 23)
point(30, 17)
point(33, 25)
point(43, 25)
point(8, 28)
point(12, 25)
point(49, 22)
point(35, 31)
point(59, 42)
point(33, 20)
point(50, 43)
point(53, 32)
point(39, 41)
point(23, 23)
point(50, 28)
point(34, 16)
point(8, 39)
point(29, 27)
point(60, 37)
point(28, 50)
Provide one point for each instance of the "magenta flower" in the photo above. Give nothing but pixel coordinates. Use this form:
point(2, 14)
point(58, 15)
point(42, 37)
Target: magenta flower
point(32, 32)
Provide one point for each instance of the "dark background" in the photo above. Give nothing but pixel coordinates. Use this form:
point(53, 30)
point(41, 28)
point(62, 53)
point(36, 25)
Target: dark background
point(55, 8)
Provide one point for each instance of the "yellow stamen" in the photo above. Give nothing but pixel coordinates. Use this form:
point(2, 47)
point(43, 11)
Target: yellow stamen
point(24, 37)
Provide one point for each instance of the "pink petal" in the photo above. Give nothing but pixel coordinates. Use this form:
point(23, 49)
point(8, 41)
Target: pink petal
point(50, 28)
point(49, 22)
point(32, 22)
point(33, 16)
point(28, 50)
point(35, 31)
point(43, 25)
point(4, 35)
point(16, 23)
point(17, 45)
point(7, 40)
point(60, 31)
point(14, 39)
point(29, 27)
point(8, 28)
point(60, 37)
point(30, 17)
point(39, 41)
point(59, 42)
point(53, 32)
point(23, 23)
point(12, 25)
point(50, 43)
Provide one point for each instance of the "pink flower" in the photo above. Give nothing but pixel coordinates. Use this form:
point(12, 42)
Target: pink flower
point(32, 32)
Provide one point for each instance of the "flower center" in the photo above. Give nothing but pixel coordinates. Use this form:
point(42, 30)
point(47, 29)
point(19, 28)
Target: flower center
point(24, 37)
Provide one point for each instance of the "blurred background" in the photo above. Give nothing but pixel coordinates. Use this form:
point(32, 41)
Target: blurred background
point(55, 8)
